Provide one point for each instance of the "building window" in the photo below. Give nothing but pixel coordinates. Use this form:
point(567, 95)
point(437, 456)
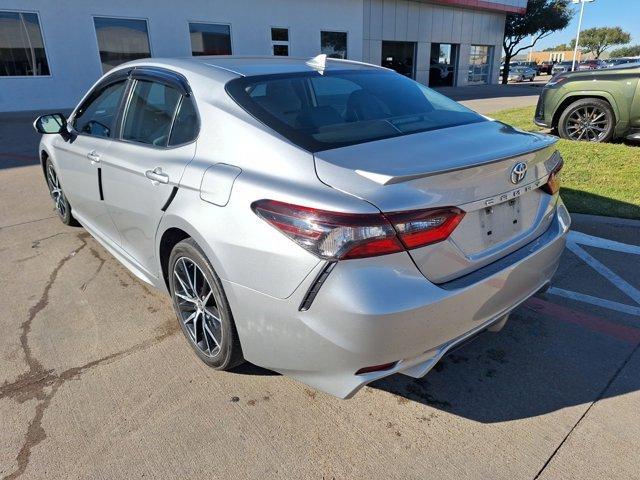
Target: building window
point(210, 39)
point(443, 64)
point(21, 46)
point(121, 40)
point(280, 41)
point(333, 44)
point(480, 58)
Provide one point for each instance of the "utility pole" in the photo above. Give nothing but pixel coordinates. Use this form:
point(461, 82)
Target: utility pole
point(575, 50)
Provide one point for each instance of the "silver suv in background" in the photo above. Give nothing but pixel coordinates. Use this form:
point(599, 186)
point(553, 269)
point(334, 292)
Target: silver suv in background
point(562, 67)
point(330, 220)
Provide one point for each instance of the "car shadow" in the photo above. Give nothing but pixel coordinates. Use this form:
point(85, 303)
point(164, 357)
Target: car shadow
point(18, 139)
point(535, 365)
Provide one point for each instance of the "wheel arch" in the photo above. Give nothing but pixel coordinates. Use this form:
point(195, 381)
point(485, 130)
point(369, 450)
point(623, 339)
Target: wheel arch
point(172, 230)
point(43, 161)
point(169, 239)
point(572, 97)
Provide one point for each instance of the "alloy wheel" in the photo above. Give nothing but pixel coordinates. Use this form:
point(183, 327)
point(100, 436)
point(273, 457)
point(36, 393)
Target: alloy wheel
point(59, 200)
point(197, 306)
point(589, 123)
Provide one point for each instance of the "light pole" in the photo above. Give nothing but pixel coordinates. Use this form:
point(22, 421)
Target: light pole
point(575, 50)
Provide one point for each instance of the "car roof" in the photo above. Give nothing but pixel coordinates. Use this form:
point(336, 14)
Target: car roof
point(248, 66)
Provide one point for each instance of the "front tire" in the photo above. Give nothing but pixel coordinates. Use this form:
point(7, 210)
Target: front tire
point(588, 120)
point(202, 307)
point(60, 203)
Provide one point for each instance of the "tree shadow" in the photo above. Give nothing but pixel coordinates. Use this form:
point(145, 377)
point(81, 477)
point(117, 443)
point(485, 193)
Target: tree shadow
point(486, 92)
point(18, 139)
point(579, 201)
point(534, 366)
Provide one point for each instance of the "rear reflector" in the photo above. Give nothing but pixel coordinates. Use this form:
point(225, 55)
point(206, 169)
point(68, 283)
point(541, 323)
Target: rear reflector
point(553, 183)
point(376, 368)
point(335, 235)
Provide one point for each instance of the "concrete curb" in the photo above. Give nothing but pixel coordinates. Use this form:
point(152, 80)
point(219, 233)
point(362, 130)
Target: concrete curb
point(599, 219)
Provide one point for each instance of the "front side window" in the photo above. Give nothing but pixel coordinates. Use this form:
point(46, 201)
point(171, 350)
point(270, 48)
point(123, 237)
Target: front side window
point(280, 41)
point(121, 40)
point(333, 44)
point(21, 46)
point(210, 39)
point(338, 108)
point(150, 113)
point(97, 115)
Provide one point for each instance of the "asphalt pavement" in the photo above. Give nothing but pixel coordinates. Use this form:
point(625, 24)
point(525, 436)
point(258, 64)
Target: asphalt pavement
point(487, 99)
point(97, 381)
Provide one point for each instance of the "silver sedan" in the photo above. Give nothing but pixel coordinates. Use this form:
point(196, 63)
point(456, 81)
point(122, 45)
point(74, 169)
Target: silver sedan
point(327, 219)
point(520, 74)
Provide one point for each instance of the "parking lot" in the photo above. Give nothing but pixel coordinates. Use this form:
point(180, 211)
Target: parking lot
point(97, 381)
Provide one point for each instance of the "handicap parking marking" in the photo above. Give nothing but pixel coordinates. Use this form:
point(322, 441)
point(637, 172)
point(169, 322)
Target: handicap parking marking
point(598, 302)
point(575, 241)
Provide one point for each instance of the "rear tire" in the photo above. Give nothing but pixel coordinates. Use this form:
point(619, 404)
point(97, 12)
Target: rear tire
point(202, 308)
point(60, 203)
point(588, 120)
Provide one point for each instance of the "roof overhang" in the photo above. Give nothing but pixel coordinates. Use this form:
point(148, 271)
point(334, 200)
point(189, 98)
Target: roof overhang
point(493, 5)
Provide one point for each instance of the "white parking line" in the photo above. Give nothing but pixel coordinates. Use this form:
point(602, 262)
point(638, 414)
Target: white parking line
point(599, 302)
point(574, 242)
point(605, 243)
point(606, 272)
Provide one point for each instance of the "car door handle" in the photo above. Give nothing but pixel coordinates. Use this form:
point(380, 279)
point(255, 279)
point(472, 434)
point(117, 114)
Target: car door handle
point(157, 175)
point(93, 156)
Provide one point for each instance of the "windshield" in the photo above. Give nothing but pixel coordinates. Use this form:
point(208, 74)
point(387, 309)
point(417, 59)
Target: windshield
point(338, 108)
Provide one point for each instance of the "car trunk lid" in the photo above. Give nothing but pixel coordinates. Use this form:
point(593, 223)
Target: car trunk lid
point(467, 166)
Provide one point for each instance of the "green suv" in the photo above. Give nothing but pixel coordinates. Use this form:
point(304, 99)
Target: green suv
point(592, 105)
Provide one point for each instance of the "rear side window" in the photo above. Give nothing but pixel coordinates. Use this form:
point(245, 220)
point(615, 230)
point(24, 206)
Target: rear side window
point(97, 115)
point(338, 108)
point(150, 113)
point(185, 125)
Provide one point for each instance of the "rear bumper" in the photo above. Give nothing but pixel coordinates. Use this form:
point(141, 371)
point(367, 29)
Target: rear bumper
point(381, 310)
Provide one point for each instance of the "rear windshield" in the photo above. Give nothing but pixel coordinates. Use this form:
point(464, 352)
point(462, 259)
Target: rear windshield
point(338, 108)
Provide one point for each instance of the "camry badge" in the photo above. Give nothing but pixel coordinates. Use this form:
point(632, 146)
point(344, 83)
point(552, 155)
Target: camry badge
point(518, 172)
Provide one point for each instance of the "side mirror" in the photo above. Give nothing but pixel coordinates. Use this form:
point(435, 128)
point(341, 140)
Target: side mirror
point(52, 123)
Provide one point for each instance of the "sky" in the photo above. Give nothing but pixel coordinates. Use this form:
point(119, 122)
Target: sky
point(600, 13)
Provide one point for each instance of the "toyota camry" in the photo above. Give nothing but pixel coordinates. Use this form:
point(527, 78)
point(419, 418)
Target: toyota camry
point(327, 219)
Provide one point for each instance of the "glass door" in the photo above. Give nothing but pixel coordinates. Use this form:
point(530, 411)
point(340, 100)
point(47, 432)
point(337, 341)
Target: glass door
point(443, 64)
point(399, 56)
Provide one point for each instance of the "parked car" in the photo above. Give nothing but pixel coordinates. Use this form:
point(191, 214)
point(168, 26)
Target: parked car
point(594, 105)
point(520, 74)
point(591, 65)
point(562, 67)
point(532, 65)
point(267, 196)
point(614, 62)
point(545, 67)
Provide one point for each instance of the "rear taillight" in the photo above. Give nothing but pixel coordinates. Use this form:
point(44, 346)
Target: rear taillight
point(418, 228)
point(335, 235)
point(553, 183)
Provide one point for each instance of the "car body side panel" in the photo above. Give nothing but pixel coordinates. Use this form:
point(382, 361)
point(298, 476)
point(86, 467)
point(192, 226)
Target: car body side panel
point(379, 310)
point(243, 248)
point(634, 111)
point(617, 86)
point(134, 201)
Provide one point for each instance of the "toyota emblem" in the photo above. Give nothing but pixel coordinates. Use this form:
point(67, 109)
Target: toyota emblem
point(518, 172)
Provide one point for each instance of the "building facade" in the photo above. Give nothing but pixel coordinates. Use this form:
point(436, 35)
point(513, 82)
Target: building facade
point(51, 52)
